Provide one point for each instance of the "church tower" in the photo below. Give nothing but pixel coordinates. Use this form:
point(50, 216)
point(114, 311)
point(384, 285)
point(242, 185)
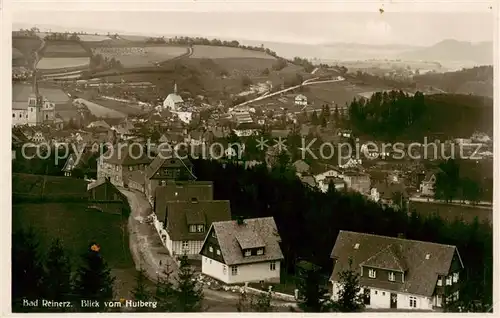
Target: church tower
point(175, 88)
point(35, 104)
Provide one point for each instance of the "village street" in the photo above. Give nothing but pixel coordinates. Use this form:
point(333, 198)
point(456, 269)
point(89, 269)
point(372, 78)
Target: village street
point(147, 251)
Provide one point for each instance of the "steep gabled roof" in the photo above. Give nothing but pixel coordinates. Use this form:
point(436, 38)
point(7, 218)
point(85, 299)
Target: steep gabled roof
point(264, 229)
point(126, 155)
point(166, 158)
point(421, 272)
point(181, 213)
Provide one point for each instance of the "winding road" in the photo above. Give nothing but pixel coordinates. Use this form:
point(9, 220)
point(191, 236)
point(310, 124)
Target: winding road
point(147, 251)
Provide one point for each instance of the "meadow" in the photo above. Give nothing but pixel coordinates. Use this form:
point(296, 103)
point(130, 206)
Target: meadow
point(215, 52)
point(140, 56)
point(99, 110)
point(21, 93)
point(52, 63)
point(451, 212)
point(77, 227)
point(93, 37)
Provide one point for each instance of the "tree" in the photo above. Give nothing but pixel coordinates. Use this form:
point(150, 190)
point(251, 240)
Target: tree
point(254, 303)
point(58, 272)
point(140, 291)
point(27, 269)
point(350, 298)
point(93, 279)
point(189, 292)
point(245, 81)
point(165, 292)
point(313, 297)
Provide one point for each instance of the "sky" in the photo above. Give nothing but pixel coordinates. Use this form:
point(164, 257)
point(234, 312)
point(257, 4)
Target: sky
point(409, 28)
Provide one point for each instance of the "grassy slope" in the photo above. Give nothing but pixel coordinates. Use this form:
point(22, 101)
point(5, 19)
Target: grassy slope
point(77, 228)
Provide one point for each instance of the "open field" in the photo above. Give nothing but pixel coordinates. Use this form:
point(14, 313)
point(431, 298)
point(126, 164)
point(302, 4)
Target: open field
point(99, 110)
point(21, 92)
point(25, 46)
point(77, 227)
point(35, 185)
point(339, 92)
point(93, 37)
point(141, 56)
point(63, 47)
point(119, 106)
point(51, 63)
point(215, 52)
point(451, 212)
point(138, 38)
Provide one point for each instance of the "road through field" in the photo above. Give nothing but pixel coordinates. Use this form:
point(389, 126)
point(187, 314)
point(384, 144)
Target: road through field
point(304, 83)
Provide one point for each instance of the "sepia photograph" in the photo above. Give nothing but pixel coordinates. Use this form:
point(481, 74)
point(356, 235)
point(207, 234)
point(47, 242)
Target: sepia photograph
point(252, 161)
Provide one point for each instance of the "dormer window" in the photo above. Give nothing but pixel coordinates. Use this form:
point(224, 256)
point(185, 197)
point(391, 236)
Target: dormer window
point(248, 253)
point(448, 280)
point(372, 273)
point(392, 276)
point(455, 277)
point(440, 281)
point(260, 251)
point(196, 228)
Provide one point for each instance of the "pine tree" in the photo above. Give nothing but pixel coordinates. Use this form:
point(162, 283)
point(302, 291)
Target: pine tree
point(350, 297)
point(140, 291)
point(93, 279)
point(58, 273)
point(188, 291)
point(165, 293)
point(27, 269)
point(313, 297)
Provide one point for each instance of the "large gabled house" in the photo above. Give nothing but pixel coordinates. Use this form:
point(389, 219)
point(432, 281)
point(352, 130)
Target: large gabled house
point(242, 251)
point(166, 167)
point(398, 273)
point(119, 162)
point(185, 223)
point(176, 190)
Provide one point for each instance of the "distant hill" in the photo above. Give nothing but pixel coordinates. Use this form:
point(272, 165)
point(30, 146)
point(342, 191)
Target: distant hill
point(453, 51)
point(476, 81)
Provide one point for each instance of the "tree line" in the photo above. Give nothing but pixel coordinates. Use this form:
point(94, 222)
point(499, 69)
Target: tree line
point(98, 62)
point(387, 114)
point(62, 36)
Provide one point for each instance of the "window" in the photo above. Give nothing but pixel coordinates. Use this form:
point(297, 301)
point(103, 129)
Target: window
point(440, 281)
point(224, 269)
point(130, 168)
point(376, 292)
point(455, 277)
point(413, 302)
point(272, 266)
point(248, 253)
point(185, 245)
point(260, 251)
point(13, 115)
point(455, 295)
point(210, 249)
point(392, 276)
point(356, 246)
point(200, 228)
point(234, 270)
point(192, 228)
point(372, 273)
point(383, 293)
point(448, 280)
point(213, 234)
point(206, 259)
point(218, 252)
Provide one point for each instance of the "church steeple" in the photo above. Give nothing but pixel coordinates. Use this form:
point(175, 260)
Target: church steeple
point(35, 85)
point(175, 88)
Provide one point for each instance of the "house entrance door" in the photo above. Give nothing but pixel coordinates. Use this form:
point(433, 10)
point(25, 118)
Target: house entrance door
point(394, 300)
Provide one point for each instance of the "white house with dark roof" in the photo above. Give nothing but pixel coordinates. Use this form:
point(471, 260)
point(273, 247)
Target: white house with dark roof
point(398, 273)
point(242, 251)
point(173, 101)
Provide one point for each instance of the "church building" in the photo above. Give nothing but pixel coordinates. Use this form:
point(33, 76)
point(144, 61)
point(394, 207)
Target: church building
point(38, 110)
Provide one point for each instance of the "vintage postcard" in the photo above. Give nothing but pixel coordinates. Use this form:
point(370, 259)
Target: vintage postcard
point(304, 159)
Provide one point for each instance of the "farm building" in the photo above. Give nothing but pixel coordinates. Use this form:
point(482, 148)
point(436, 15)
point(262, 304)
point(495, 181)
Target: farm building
point(301, 100)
